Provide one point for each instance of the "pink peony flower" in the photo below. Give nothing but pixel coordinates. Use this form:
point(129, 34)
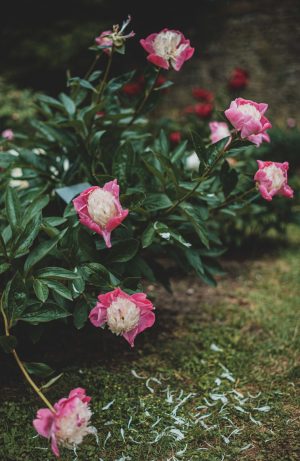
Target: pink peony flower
point(168, 47)
point(105, 40)
point(100, 209)
point(248, 117)
point(69, 424)
point(124, 314)
point(218, 130)
point(271, 179)
point(258, 139)
point(175, 137)
point(8, 134)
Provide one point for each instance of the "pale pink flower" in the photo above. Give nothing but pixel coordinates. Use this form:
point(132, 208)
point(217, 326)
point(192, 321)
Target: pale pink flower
point(272, 179)
point(105, 40)
point(126, 315)
point(248, 118)
point(258, 139)
point(168, 47)
point(8, 134)
point(99, 209)
point(218, 131)
point(69, 424)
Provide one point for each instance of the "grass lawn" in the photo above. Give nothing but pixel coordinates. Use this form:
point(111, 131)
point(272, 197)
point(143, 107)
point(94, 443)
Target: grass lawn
point(215, 379)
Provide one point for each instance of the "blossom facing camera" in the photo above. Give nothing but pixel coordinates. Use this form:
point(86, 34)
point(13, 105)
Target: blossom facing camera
point(69, 424)
point(99, 209)
point(239, 79)
point(125, 315)
point(248, 118)
point(8, 134)
point(271, 179)
point(105, 40)
point(167, 48)
point(175, 137)
point(218, 131)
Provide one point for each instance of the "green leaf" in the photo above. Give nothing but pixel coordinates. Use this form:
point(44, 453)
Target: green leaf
point(14, 299)
point(47, 313)
point(156, 201)
point(41, 251)
point(13, 208)
point(41, 290)
point(2, 246)
point(216, 150)
point(196, 219)
point(8, 343)
point(229, 178)
point(4, 267)
point(123, 162)
point(166, 233)
point(59, 288)
point(68, 104)
point(195, 261)
point(38, 369)
point(35, 207)
point(80, 315)
point(164, 143)
point(27, 236)
point(148, 235)
point(56, 273)
point(123, 251)
point(50, 101)
point(179, 152)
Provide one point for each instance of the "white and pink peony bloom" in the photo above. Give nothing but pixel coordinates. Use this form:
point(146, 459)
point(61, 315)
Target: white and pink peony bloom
point(271, 179)
point(126, 315)
point(8, 134)
point(168, 47)
point(248, 118)
point(69, 424)
point(218, 131)
point(99, 208)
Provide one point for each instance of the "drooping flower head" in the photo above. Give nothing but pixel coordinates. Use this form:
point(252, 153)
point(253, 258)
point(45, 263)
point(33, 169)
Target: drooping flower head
point(69, 424)
point(126, 315)
point(248, 118)
point(114, 37)
point(167, 48)
point(271, 179)
point(99, 209)
point(218, 131)
point(8, 134)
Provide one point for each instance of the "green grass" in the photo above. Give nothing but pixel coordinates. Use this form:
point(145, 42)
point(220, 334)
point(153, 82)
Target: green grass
point(248, 325)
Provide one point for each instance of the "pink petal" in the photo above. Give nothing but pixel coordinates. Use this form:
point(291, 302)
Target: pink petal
point(44, 422)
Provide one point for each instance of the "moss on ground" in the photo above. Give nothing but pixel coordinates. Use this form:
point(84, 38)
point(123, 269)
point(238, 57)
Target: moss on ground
point(215, 379)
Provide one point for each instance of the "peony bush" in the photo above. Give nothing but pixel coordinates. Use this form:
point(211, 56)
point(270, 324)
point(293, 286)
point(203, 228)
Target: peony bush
point(106, 198)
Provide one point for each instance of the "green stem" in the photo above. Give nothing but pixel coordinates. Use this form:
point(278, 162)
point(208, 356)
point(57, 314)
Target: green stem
point(235, 199)
point(144, 100)
point(21, 366)
point(101, 87)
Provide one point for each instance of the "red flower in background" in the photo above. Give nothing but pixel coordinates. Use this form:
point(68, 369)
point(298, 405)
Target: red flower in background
point(132, 88)
point(175, 137)
point(239, 79)
point(203, 110)
point(202, 95)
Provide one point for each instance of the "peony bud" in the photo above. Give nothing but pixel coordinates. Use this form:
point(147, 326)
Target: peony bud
point(175, 137)
point(192, 162)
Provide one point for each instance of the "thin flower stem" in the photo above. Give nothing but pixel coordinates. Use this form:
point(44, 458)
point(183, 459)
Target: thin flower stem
point(235, 199)
point(144, 100)
point(21, 365)
point(92, 66)
point(103, 81)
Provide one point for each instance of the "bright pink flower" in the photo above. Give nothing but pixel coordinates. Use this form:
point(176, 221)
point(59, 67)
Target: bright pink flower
point(69, 424)
point(218, 130)
point(100, 209)
point(124, 314)
point(105, 40)
point(248, 117)
point(8, 134)
point(239, 79)
point(203, 110)
point(272, 179)
point(168, 47)
point(175, 137)
point(258, 139)
point(202, 95)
